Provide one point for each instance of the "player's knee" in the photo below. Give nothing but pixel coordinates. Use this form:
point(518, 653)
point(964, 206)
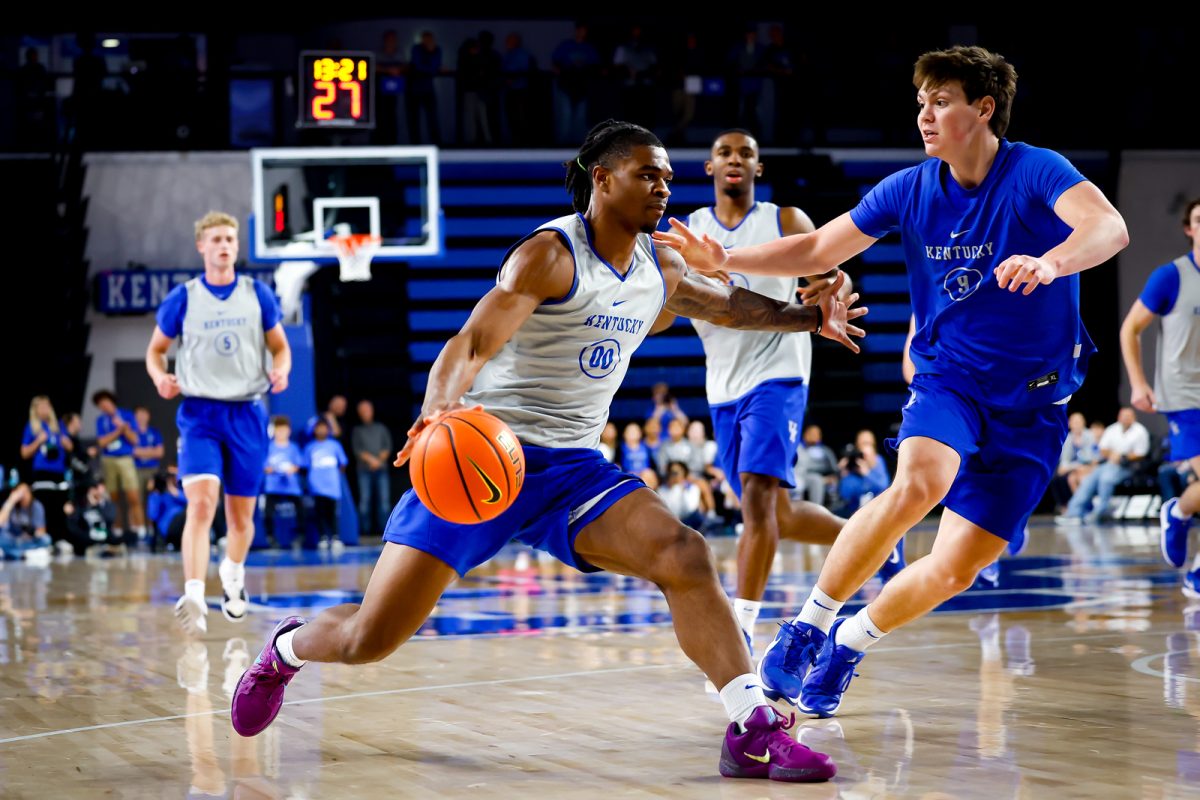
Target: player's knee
point(918, 492)
point(685, 558)
point(954, 578)
point(202, 508)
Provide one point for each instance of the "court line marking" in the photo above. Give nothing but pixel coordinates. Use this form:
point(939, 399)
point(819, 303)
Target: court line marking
point(1142, 665)
point(497, 682)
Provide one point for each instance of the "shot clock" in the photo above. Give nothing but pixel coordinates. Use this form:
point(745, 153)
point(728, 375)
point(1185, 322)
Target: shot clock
point(337, 89)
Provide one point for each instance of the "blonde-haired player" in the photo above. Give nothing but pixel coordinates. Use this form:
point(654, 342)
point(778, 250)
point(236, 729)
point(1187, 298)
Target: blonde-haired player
point(225, 324)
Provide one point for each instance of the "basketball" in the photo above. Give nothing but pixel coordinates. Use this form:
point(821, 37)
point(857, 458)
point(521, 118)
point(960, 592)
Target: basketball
point(468, 467)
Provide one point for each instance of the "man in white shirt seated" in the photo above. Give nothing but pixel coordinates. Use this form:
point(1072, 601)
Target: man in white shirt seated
point(1124, 443)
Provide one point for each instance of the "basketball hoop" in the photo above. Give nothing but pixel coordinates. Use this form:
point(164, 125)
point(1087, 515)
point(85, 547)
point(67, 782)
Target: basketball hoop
point(354, 254)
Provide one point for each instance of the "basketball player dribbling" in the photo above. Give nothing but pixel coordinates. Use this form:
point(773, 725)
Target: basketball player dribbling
point(986, 418)
point(579, 284)
point(226, 325)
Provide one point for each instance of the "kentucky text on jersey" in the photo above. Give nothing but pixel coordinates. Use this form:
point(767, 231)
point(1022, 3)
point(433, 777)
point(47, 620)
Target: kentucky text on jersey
point(619, 324)
point(958, 251)
point(233, 322)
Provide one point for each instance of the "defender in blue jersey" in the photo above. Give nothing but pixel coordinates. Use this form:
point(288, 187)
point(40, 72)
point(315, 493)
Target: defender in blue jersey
point(226, 325)
point(994, 235)
point(545, 350)
point(1172, 296)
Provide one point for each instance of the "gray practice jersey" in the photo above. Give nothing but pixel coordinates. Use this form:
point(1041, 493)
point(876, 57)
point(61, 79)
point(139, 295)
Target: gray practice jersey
point(738, 361)
point(1177, 375)
point(222, 346)
point(554, 380)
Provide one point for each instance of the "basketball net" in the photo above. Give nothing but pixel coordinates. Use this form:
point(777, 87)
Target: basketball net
point(354, 254)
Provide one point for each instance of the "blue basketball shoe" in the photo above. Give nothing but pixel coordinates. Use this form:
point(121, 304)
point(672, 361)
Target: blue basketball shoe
point(788, 658)
point(830, 676)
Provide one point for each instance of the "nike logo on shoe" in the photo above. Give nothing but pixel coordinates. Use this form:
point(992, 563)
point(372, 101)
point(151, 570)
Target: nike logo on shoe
point(954, 235)
point(765, 758)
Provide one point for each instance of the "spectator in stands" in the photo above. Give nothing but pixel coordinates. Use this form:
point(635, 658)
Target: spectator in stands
point(519, 66)
point(148, 452)
point(683, 496)
point(46, 442)
point(335, 410)
point(325, 461)
point(636, 61)
point(1123, 444)
point(576, 62)
point(675, 448)
point(281, 484)
point(652, 438)
point(1079, 456)
point(23, 527)
point(608, 442)
point(820, 466)
point(635, 456)
point(389, 66)
point(471, 85)
point(116, 436)
point(84, 460)
point(90, 523)
point(704, 449)
point(424, 64)
point(688, 66)
point(1174, 477)
point(650, 478)
point(864, 473)
point(666, 407)
point(166, 508)
point(745, 66)
point(372, 446)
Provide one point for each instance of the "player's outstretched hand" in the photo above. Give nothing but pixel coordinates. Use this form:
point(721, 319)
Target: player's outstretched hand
point(1017, 271)
point(836, 316)
point(428, 417)
point(702, 253)
point(167, 386)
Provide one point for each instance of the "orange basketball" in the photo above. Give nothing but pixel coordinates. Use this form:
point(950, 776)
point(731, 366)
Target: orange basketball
point(468, 467)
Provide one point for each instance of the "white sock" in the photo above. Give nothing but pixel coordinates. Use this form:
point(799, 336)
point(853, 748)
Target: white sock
point(819, 609)
point(195, 590)
point(740, 697)
point(1177, 512)
point(284, 645)
point(747, 614)
point(233, 573)
point(859, 632)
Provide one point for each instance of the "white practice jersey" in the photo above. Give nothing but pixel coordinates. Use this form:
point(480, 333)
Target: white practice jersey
point(554, 380)
point(738, 361)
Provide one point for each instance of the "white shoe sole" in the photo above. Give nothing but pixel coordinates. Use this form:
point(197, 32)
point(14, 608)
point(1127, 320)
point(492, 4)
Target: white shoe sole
point(228, 604)
point(193, 618)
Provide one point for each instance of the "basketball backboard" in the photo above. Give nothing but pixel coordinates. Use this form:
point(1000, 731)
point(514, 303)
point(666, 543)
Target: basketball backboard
point(304, 196)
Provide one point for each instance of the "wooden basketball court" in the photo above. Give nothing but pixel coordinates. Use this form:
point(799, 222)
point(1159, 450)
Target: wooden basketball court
point(1078, 677)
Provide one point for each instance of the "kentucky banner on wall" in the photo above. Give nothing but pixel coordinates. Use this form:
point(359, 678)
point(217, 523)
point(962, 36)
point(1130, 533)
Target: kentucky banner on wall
point(140, 291)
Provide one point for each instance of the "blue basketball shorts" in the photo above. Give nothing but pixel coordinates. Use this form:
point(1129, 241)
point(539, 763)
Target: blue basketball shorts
point(565, 489)
point(760, 432)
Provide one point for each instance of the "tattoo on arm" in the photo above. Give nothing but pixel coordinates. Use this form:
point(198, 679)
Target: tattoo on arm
point(734, 307)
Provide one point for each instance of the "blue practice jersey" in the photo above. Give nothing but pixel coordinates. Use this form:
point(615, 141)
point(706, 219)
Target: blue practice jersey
point(1017, 351)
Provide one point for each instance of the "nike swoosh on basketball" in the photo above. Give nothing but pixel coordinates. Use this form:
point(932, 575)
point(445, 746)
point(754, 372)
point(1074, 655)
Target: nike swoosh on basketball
point(619, 302)
point(954, 235)
point(491, 485)
point(765, 758)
